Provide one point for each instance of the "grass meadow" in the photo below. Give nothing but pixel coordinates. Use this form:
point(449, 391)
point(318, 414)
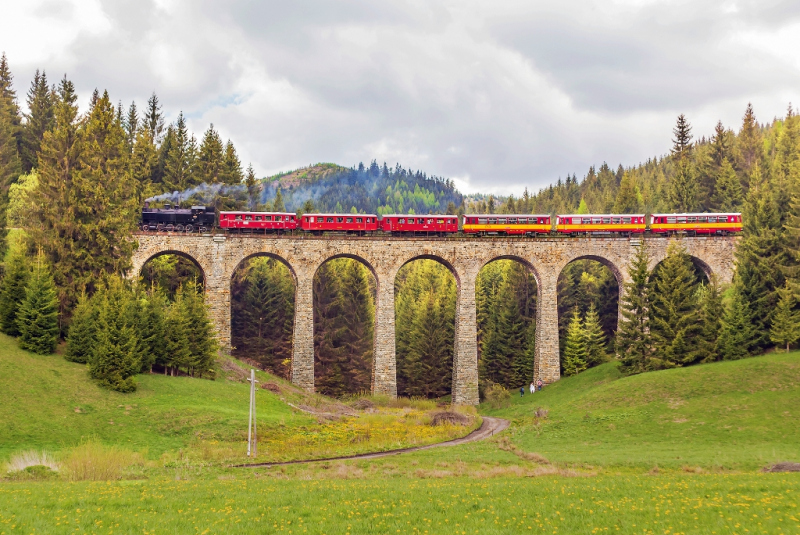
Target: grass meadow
point(677, 451)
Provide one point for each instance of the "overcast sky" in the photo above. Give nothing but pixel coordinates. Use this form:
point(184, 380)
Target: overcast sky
point(498, 95)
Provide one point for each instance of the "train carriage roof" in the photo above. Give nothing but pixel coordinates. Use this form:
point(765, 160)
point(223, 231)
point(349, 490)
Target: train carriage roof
point(600, 215)
point(507, 215)
point(257, 213)
point(698, 214)
point(341, 215)
point(419, 215)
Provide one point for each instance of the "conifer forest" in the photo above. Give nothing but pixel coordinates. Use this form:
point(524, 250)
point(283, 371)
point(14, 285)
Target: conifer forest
point(74, 176)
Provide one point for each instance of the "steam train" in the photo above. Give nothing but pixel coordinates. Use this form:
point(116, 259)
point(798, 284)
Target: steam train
point(203, 219)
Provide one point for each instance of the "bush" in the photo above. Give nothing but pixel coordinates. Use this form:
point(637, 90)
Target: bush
point(497, 396)
point(26, 460)
point(94, 461)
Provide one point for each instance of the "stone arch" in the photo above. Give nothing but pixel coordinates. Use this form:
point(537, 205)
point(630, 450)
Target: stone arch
point(607, 262)
point(377, 280)
point(441, 373)
point(231, 316)
point(697, 262)
point(139, 266)
point(537, 278)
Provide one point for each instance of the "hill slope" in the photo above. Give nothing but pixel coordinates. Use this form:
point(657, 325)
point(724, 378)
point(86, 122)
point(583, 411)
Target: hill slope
point(737, 414)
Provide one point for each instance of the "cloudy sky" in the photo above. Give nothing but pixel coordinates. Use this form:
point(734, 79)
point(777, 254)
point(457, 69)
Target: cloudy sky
point(496, 94)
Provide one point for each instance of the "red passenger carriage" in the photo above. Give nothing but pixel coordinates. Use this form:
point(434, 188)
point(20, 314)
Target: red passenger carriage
point(696, 223)
point(412, 224)
point(348, 223)
point(261, 221)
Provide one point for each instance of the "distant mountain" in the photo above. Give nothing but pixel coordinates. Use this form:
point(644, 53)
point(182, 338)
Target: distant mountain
point(365, 189)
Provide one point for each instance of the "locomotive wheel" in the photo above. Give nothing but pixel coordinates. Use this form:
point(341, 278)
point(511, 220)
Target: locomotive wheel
point(189, 228)
point(179, 228)
point(170, 227)
point(159, 227)
point(145, 227)
point(202, 229)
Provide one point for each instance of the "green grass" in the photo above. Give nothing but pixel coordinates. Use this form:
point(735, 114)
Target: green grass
point(673, 504)
point(49, 403)
point(735, 415)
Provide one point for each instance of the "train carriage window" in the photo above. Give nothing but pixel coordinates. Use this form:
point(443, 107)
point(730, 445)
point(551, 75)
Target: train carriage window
point(502, 221)
point(682, 219)
point(359, 220)
point(512, 220)
point(440, 221)
point(586, 221)
point(429, 222)
point(349, 219)
point(267, 218)
point(401, 221)
point(238, 217)
point(615, 220)
point(595, 221)
point(258, 218)
point(671, 220)
point(482, 220)
point(626, 220)
point(702, 219)
point(492, 220)
point(712, 219)
point(523, 220)
point(248, 218)
point(329, 220)
point(340, 220)
point(606, 220)
point(691, 219)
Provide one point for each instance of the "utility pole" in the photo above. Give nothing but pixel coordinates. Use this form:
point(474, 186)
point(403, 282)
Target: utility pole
point(252, 434)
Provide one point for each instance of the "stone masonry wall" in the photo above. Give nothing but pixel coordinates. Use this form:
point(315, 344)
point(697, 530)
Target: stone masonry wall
point(219, 256)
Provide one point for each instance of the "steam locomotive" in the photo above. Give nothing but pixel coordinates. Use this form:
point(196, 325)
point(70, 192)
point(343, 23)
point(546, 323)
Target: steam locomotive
point(202, 219)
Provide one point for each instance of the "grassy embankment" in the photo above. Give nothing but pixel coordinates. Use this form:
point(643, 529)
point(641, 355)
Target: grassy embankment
point(589, 466)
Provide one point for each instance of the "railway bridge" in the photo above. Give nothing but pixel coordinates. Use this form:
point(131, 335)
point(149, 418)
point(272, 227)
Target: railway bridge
point(218, 256)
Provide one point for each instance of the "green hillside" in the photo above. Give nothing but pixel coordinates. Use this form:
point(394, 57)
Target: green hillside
point(734, 415)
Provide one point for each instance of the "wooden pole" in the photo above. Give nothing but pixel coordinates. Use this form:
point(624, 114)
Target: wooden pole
point(252, 434)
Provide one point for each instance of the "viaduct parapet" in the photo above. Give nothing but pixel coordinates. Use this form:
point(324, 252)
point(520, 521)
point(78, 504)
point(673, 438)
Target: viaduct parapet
point(219, 256)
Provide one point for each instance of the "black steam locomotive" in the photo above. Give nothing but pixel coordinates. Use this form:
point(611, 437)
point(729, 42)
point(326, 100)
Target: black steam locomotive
point(194, 219)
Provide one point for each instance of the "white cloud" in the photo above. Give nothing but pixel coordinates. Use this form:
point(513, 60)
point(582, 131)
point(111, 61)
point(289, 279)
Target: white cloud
point(497, 95)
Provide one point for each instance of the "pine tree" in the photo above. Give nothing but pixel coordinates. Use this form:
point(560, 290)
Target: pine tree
point(10, 166)
point(86, 202)
point(634, 342)
point(595, 338)
point(37, 317)
point(210, 158)
point(179, 171)
point(233, 166)
point(683, 191)
point(82, 331)
point(115, 359)
point(153, 120)
point(277, 203)
point(574, 360)
point(785, 329)
point(131, 126)
point(252, 187)
point(152, 330)
point(12, 292)
point(627, 201)
point(737, 333)
point(202, 341)
point(711, 310)
point(39, 120)
point(176, 336)
point(674, 323)
point(728, 190)
point(749, 142)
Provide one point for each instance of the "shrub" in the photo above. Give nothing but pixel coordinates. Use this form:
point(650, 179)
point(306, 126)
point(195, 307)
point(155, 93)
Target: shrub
point(31, 458)
point(94, 461)
point(497, 396)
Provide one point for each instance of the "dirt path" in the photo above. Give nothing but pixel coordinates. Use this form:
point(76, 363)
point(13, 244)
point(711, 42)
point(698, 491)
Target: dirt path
point(488, 428)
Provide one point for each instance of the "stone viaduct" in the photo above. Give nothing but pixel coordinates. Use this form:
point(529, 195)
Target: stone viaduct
point(219, 256)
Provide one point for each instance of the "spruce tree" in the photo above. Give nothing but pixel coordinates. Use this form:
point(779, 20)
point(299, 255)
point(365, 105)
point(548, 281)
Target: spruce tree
point(574, 360)
point(152, 330)
point(683, 189)
point(202, 342)
point(131, 126)
point(12, 292)
point(176, 336)
point(232, 165)
point(153, 120)
point(627, 201)
point(252, 187)
point(785, 329)
point(633, 340)
point(39, 119)
point(210, 158)
point(595, 338)
point(115, 359)
point(37, 318)
point(711, 311)
point(10, 166)
point(82, 331)
point(179, 165)
point(749, 142)
point(728, 190)
point(674, 323)
point(736, 336)
point(277, 203)
point(86, 203)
